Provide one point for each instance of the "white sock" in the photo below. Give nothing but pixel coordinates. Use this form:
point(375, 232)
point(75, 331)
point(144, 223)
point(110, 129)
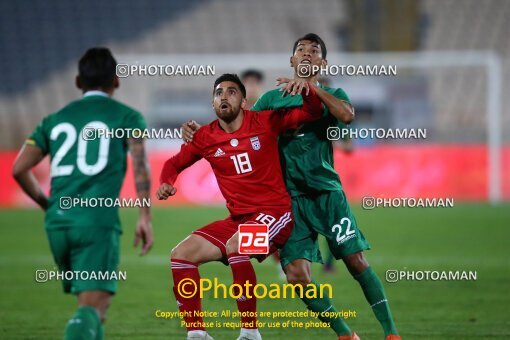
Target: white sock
point(249, 331)
point(197, 332)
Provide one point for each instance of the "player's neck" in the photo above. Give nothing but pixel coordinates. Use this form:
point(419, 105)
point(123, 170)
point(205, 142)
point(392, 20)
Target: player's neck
point(234, 125)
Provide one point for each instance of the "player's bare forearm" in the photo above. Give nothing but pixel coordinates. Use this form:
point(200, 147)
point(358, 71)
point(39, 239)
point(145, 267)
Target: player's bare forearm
point(141, 171)
point(28, 157)
point(339, 108)
point(31, 187)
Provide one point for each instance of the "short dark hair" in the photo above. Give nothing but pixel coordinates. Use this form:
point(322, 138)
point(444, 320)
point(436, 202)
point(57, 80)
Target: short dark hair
point(313, 38)
point(233, 78)
point(96, 68)
point(252, 73)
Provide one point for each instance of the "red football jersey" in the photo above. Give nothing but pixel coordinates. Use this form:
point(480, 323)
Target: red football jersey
point(246, 162)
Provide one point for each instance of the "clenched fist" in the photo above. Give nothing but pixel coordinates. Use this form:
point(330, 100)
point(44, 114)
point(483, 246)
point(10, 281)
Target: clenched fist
point(165, 190)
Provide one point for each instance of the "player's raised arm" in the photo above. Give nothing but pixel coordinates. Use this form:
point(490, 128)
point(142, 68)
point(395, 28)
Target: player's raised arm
point(292, 118)
point(28, 157)
point(143, 184)
point(339, 108)
point(188, 155)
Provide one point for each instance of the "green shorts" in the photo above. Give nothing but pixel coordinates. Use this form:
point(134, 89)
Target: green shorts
point(327, 213)
point(88, 250)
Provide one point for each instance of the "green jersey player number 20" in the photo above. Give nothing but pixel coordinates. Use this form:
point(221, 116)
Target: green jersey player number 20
point(85, 166)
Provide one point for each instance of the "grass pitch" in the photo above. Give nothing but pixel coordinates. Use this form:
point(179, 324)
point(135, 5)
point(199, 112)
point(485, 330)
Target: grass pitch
point(471, 237)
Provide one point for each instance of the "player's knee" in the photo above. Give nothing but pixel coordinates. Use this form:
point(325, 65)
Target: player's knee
point(232, 245)
point(104, 305)
point(102, 309)
point(100, 301)
point(356, 263)
point(179, 252)
point(297, 276)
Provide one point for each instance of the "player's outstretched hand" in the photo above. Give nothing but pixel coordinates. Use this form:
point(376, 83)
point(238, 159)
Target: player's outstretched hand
point(143, 232)
point(165, 190)
point(188, 130)
point(293, 86)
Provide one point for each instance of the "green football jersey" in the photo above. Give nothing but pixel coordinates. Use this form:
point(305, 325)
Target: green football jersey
point(83, 166)
point(306, 154)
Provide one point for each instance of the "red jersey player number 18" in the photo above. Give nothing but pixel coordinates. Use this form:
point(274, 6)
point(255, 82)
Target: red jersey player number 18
point(242, 148)
point(245, 161)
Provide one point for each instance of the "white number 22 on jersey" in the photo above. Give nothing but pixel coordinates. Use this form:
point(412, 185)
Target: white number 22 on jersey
point(348, 230)
point(81, 161)
point(242, 163)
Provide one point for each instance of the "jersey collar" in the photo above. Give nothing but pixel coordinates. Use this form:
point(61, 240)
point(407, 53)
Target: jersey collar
point(95, 93)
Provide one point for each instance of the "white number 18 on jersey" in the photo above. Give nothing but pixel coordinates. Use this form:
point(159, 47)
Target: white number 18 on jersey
point(242, 163)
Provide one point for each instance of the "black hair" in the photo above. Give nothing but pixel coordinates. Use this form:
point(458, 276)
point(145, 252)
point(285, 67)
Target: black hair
point(233, 78)
point(252, 73)
point(313, 38)
point(96, 68)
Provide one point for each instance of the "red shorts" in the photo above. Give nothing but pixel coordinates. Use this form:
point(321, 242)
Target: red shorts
point(279, 222)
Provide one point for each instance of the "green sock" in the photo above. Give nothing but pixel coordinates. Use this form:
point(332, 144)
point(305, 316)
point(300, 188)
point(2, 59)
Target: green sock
point(100, 331)
point(84, 325)
point(318, 305)
point(374, 293)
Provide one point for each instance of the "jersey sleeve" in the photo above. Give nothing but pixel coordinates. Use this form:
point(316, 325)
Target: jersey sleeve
point(340, 94)
point(135, 120)
point(292, 118)
point(262, 103)
point(39, 137)
point(187, 156)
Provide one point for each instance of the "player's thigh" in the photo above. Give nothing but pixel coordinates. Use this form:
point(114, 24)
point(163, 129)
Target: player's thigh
point(339, 226)
point(61, 251)
point(279, 222)
point(197, 249)
point(302, 242)
point(95, 255)
point(216, 234)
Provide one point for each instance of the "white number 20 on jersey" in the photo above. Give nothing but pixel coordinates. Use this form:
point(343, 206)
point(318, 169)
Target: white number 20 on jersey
point(242, 163)
point(71, 136)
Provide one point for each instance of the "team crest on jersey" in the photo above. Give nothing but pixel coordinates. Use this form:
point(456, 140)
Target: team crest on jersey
point(255, 143)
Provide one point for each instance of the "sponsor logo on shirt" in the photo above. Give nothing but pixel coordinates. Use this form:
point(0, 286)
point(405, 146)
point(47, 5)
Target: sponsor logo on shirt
point(219, 152)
